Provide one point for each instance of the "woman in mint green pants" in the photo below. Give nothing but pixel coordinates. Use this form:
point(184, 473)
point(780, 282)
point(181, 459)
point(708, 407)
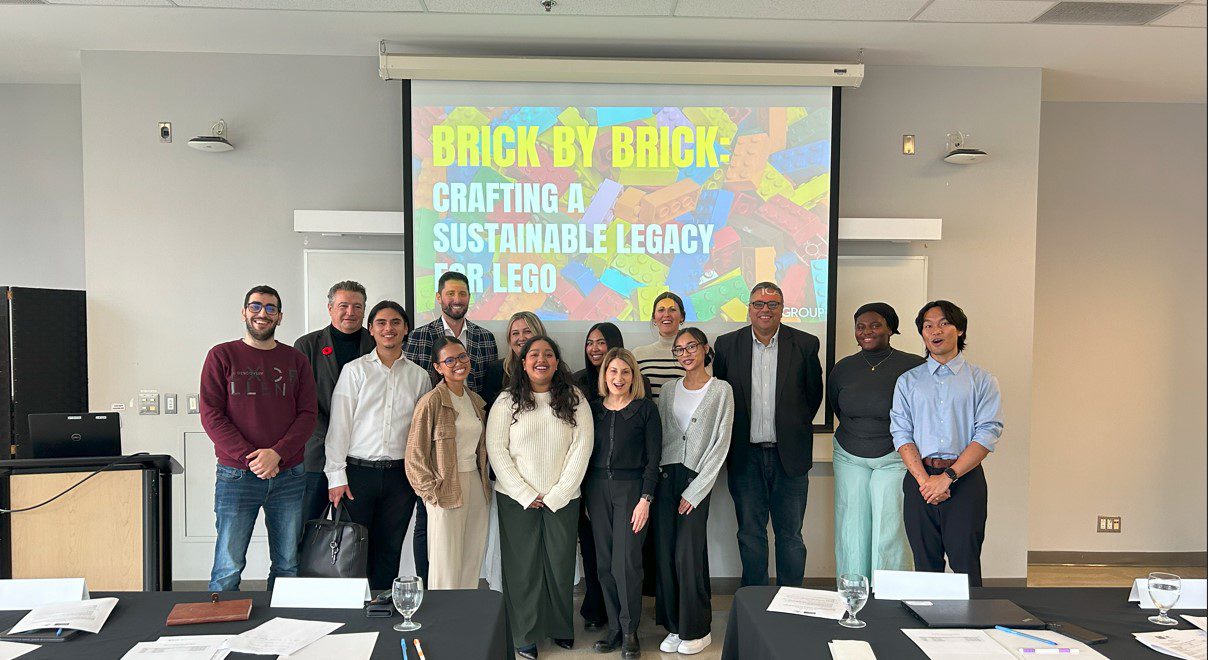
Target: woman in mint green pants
point(868, 472)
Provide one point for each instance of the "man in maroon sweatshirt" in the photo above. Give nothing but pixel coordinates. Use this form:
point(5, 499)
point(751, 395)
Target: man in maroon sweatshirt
point(258, 407)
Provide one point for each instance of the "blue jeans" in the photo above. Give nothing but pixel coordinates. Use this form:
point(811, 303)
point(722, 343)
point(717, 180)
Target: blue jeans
point(760, 489)
point(238, 497)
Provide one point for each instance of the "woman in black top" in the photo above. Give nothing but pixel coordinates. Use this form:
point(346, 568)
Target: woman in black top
point(619, 487)
point(869, 534)
point(601, 338)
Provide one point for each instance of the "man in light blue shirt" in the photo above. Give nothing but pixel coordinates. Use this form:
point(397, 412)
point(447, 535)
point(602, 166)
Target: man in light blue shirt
point(946, 418)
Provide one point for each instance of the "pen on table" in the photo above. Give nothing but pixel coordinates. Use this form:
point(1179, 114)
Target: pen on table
point(1049, 651)
point(1034, 638)
point(420, 648)
point(404, 644)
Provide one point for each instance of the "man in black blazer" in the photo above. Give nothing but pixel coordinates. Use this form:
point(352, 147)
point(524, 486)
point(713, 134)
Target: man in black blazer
point(328, 350)
point(777, 381)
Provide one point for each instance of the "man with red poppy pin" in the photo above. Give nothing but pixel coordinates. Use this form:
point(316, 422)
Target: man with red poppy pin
point(328, 350)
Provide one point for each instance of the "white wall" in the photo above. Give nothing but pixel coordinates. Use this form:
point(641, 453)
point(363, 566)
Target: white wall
point(986, 260)
point(1120, 335)
point(174, 236)
point(41, 194)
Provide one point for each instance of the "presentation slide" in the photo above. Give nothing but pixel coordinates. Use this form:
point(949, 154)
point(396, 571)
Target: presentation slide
point(585, 202)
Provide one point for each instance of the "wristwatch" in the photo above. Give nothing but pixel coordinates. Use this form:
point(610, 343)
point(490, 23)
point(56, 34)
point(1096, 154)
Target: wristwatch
point(951, 474)
point(648, 497)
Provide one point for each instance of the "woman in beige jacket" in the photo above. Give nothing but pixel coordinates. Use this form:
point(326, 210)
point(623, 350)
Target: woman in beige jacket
point(447, 466)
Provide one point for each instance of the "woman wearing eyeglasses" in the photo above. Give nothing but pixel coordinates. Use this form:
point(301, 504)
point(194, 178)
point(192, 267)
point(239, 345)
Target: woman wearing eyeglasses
point(447, 467)
point(697, 413)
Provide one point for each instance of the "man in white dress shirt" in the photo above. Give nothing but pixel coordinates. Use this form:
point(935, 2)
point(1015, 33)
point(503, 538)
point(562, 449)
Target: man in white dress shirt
point(371, 410)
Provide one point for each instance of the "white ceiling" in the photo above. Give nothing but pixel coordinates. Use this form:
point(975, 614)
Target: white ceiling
point(1161, 62)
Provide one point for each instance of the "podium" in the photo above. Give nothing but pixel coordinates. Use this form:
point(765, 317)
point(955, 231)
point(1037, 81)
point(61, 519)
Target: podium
point(114, 530)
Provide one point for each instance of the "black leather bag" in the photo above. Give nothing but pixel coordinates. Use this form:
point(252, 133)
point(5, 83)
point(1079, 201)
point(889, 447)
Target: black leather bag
point(334, 548)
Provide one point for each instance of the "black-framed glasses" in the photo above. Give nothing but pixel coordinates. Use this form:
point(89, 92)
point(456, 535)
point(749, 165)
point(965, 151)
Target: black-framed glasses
point(760, 304)
point(450, 361)
point(690, 347)
point(257, 307)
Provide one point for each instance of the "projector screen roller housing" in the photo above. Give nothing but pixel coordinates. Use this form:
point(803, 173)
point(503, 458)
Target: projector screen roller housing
point(584, 202)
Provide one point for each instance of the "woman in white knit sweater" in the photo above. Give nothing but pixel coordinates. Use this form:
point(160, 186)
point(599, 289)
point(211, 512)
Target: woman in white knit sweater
point(655, 360)
point(697, 412)
point(539, 440)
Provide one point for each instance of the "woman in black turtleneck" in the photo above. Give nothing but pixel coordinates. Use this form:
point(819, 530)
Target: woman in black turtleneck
point(868, 472)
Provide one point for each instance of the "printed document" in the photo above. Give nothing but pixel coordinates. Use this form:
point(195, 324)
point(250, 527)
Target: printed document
point(809, 602)
point(85, 615)
point(281, 636)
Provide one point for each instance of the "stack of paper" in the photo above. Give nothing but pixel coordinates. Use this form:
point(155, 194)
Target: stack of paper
point(808, 602)
point(85, 615)
point(281, 636)
point(851, 649)
point(957, 644)
point(1197, 621)
point(10, 650)
point(1186, 644)
point(183, 647)
point(353, 646)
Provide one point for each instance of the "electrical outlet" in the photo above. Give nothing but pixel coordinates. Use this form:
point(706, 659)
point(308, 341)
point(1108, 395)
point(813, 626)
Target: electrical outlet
point(165, 131)
point(169, 404)
point(1108, 525)
point(192, 404)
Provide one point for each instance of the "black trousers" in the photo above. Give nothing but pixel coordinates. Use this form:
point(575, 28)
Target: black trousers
point(681, 550)
point(954, 528)
point(610, 503)
point(419, 541)
point(383, 503)
point(593, 599)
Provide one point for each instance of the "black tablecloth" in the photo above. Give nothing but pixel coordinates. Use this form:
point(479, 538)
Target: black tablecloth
point(753, 633)
point(461, 625)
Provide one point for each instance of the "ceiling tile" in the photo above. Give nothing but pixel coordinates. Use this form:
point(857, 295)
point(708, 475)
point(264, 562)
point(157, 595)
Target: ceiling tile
point(562, 7)
point(308, 5)
point(817, 10)
point(113, 3)
point(1185, 16)
point(983, 11)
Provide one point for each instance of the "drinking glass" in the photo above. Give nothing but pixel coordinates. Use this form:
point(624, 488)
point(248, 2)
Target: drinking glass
point(1164, 591)
point(408, 593)
point(854, 589)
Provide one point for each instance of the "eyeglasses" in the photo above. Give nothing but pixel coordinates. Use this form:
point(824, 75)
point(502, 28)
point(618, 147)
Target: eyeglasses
point(256, 308)
point(759, 304)
point(450, 361)
point(690, 347)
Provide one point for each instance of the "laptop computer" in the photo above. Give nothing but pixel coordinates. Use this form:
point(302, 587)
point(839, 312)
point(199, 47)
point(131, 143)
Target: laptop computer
point(75, 435)
point(972, 614)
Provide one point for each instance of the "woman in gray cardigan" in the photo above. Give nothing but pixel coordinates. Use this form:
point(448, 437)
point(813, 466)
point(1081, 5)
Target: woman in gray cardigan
point(697, 412)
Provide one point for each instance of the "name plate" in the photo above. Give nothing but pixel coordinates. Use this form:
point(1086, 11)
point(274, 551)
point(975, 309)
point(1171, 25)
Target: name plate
point(917, 585)
point(26, 594)
point(326, 593)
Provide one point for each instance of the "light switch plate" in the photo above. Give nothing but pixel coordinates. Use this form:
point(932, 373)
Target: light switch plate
point(148, 402)
point(170, 404)
point(192, 404)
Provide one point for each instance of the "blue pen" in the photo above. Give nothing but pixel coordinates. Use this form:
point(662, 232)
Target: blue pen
point(1034, 638)
point(404, 643)
point(59, 632)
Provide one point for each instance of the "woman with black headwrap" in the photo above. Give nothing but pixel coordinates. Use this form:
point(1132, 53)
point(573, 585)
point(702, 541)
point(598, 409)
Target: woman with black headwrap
point(869, 534)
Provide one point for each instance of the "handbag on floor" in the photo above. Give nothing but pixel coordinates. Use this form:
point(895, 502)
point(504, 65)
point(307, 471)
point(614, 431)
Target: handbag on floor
point(334, 548)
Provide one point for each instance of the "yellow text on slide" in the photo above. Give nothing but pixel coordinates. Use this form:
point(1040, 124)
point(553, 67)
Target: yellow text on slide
point(508, 146)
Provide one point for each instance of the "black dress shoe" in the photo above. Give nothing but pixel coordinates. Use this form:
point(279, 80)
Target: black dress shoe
point(528, 652)
point(565, 643)
point(608, 643)
point(630, 647)
point(590, 625)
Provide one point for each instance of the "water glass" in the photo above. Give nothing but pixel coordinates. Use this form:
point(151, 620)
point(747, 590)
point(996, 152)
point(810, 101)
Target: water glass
point(854, 590)
point(407, 593)
point(1164, 591)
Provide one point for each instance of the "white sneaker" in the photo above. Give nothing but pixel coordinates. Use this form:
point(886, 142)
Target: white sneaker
point(671, 644)
point(694, 646)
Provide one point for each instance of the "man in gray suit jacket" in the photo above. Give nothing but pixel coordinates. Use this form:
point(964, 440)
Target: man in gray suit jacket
point(328, 350)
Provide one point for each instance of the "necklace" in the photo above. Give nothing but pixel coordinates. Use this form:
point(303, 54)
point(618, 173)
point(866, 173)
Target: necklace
point(873, 367)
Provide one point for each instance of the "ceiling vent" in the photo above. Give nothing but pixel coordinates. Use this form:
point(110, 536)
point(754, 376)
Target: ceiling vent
point(1102, 13)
